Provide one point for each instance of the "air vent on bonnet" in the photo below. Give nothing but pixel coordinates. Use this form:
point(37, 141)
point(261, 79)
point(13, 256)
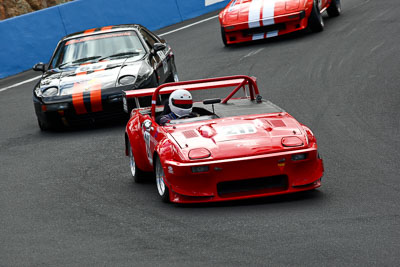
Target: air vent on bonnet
point(278, 123)
point(190, 134)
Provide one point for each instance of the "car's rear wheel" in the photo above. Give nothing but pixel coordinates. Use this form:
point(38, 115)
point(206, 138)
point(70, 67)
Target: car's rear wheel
point(138, 175)
point(162, 189)
point(334, 9)
point(315, 21)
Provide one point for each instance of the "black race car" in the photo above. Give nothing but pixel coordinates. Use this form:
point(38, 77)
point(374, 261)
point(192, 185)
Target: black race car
point(89, 70)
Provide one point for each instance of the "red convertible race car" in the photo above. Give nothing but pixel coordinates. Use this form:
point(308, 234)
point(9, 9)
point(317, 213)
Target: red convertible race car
point(231, 148)
point(247, 20)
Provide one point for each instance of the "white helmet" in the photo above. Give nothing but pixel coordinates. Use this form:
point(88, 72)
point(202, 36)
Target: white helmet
point(181, 102)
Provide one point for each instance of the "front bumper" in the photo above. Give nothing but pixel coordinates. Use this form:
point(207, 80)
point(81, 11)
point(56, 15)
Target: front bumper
point(249, 177)
point(63, 110)
point(284, 24)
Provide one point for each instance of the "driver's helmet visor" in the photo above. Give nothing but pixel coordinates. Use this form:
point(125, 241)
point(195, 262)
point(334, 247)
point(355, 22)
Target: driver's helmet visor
point(182, 103)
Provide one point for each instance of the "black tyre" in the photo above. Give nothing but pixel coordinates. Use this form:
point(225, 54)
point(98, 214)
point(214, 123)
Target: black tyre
point(138, 175)
point(223, 35)
point(315, 21)
point(334, 9)
point(43, 126)
point(46, 126)
point(173, 77)
point(162, 189)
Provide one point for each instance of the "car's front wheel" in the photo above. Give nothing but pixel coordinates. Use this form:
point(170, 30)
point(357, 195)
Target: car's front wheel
point(223, 35)
point(49, 125)
point(315, 21)
point(174, 74)
point(137, 174)
point(334, 9)
point(162, 189)
point(43, 126)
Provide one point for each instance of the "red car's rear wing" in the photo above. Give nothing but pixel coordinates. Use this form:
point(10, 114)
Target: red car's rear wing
point(239, 81)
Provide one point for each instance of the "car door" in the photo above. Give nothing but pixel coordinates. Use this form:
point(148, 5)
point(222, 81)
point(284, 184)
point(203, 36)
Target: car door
point(158, 59)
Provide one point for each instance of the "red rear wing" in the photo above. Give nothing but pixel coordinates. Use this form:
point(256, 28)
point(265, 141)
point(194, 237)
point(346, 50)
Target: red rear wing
point(239, 81)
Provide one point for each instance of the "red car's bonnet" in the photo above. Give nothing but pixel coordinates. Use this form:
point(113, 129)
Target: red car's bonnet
point(238, 137)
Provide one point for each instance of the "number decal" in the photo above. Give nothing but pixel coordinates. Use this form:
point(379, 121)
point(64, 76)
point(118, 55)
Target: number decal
point(237, 129)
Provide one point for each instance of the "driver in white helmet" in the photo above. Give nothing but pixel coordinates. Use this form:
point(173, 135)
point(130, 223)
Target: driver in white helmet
point(180, 103)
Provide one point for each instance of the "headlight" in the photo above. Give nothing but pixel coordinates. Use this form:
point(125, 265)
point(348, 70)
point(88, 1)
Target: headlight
point(127, 80)
point(66, 91)
point(135, 74)
point(199, 153)
point(51, 91)
point(144, 72)
point(38, 92)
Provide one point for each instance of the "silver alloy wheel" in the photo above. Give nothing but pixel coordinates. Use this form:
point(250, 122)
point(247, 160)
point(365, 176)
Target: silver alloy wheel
point(175, 73)
point(321, 20)
point(132, 163)
point(338, 6)
point(176, 78)
point(160, 178)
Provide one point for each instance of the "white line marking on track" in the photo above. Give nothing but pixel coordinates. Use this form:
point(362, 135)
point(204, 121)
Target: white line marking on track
point(351, 32)
point(18, 84)
point(190, 25)
point(376, 47)
point(252, 53)
point(179, 29)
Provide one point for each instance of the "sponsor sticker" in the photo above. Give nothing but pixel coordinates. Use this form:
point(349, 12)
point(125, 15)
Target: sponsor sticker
point(91, 67)
point(97, 37)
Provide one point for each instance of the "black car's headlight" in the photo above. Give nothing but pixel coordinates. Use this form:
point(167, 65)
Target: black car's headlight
point(38, 92)
point(127, 80)
point(67, 91)
point(134, 74)
point(51, 91)
point(46, 92)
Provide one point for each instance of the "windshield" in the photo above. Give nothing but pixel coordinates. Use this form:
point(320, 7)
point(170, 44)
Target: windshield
point(97, 47)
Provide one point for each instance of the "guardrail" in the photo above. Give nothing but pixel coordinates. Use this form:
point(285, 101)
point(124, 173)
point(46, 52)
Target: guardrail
point(30, 38)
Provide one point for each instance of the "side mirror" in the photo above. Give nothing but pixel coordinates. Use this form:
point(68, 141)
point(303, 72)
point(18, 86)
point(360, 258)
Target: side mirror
point(158, 47)
point(211, 101)
point(39, 67)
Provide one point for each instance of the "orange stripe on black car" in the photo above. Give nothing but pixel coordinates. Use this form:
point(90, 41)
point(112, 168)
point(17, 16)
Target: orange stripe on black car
point(95, 98)
point(90, 30)
point(106, 28)
point(81, 73)
point(77, 99)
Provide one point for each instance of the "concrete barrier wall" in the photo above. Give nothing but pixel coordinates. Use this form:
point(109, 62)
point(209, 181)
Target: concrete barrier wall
point(31, 38)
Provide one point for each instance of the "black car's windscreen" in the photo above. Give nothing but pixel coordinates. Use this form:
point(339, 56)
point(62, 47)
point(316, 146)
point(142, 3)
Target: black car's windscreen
point(97, 47)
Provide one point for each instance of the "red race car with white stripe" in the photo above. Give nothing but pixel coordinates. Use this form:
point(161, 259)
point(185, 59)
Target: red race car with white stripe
point(235, 147)
point(247, 20)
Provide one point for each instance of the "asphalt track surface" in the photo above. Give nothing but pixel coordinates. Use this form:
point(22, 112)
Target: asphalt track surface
point(67, 199)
